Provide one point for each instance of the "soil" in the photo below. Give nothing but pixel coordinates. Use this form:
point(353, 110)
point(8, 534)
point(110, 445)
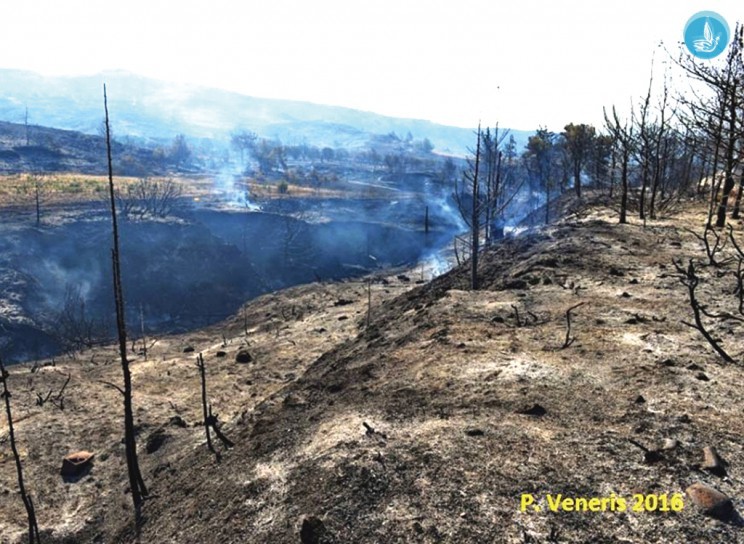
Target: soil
point(427, 424)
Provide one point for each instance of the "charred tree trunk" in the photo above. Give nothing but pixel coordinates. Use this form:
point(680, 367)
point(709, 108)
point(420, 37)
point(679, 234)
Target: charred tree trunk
point(33, 528)
point(613, 167)
point(737, 203)
point(205, 410)
point(624, 182)
point(732, 140)
point(136, 483)
point(475, 222)
point(37, 201)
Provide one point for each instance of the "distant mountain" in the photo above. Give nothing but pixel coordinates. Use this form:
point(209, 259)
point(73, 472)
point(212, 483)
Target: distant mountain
point(156, 110)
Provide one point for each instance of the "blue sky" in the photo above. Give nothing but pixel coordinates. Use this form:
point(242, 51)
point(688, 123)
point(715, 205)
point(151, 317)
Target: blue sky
point(523, 63)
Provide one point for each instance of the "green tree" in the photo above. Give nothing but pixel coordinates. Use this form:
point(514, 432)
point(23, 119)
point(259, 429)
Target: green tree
point(579, 142)
point(539, 157)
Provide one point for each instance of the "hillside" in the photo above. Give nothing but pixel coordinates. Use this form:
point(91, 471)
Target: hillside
point(426, 426)
point(43, 149)
point(157, 110)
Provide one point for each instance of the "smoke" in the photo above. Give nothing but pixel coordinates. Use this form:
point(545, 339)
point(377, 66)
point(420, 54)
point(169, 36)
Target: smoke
point(436, 264)
point(232, 190)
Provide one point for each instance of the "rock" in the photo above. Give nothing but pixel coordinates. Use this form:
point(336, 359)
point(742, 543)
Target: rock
point(534, 410)
point(702, 377)
point(188, 349)
point(640, 400)
point(625, 294)
point(76, 463)
point(178, 421)
point(668, 362)
point(652, 456)
point(711, 502)
point(712, 462)
point(155, 441)
point(243, 356)
point(669, 444)
point(515, 284)
point(616, 272)
point(474, 432)
point(684, 418)
point(312, 531)
point(343, 302)
point(220, 354)
point(694, 366)
point(343, 317)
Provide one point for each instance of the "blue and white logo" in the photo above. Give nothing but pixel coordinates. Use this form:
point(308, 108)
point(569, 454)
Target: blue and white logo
point(706, 34)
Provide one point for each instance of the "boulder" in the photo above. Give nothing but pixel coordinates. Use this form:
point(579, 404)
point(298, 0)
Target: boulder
point(76, 463)
point(243, 356)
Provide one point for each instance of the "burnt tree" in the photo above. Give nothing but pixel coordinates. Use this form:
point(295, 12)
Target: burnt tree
point(622, 135)
point(136, 483)
point(33, 528)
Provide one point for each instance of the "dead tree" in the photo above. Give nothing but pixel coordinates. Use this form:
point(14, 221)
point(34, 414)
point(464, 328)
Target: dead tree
point(33, 528)
point(136, 483)
point(57, 400)
point(622, 134)
point(739, 274)
point(570, 340)
point(200, 365)
point(689, 278)
point(720, 116)
point(489, 198)
point(210, 420)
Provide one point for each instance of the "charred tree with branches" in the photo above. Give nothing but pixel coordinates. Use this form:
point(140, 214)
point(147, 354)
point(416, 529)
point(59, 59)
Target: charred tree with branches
point(483, 193)
point(622, 134)
point(689, 278)
point(720, 116)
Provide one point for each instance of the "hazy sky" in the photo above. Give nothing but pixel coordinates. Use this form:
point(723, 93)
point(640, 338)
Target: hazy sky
point(521, 63)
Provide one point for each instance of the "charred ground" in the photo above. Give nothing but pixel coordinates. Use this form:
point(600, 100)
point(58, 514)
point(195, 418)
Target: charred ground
point(425, 426)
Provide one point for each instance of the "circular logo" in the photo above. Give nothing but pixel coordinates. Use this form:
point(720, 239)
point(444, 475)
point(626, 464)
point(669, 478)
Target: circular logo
point(706, 34)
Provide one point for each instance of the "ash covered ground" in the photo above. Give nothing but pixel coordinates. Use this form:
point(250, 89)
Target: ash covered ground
point(425, 425)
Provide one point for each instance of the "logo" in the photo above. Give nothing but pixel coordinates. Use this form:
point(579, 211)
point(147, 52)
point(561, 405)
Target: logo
point(706, 34)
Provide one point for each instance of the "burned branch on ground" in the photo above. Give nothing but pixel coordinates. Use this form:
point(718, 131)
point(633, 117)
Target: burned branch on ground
point(57, 400)
point(689, 278)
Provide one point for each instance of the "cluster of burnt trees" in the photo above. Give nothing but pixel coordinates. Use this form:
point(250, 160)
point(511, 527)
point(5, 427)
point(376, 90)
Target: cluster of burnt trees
point(389, 153)
point(670, 144)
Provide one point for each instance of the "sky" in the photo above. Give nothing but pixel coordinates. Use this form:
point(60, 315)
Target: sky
point(523, 64)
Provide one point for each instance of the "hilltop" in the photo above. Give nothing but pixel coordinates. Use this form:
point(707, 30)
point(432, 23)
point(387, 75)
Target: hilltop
point(425, 426)
point(155, 111)
point(40, 149)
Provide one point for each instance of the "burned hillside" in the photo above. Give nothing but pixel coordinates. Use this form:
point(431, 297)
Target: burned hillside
point(430, 423)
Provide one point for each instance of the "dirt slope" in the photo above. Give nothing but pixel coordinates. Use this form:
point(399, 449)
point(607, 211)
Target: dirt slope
point(428, 426)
